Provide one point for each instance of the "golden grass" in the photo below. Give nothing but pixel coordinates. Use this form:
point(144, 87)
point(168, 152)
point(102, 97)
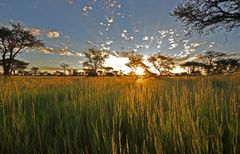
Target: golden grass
point(119, 115)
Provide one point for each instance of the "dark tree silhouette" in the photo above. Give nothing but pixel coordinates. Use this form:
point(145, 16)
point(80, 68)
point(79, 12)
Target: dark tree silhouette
point(135, 61)
point(94, 60)
point(74, 72)
point(65, 67)
point(16, 65)
point(12, 41)
point(35, 70)
point(193, 67)
point(206, 16)
point(226, 65)
point(147, 72)
point(208, 59)
point(162, 63)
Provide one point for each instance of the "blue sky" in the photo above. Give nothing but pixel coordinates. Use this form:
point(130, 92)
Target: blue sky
point(68, 27)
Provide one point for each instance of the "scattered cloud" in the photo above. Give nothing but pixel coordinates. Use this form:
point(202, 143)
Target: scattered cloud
point(109, 19)
point(2, 4)
point(53, 34)
point(90, 43)
point(145, 38)
point(70, 1)
point(63, 51)
point(126, 36)
point(36, 31)
point(86, 10)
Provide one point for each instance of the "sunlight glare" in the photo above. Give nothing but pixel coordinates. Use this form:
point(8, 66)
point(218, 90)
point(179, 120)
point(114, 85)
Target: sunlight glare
point(118, 63)
point(139, 71)
point(178, 69)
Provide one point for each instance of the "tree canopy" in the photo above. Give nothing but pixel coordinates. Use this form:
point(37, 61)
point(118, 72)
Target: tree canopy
point(35, 70)
point(161, 63)
point(206, 16)
point(135, 61)
point(16, 64)
point(94, 60)
point(193, 67)
point(12, 41)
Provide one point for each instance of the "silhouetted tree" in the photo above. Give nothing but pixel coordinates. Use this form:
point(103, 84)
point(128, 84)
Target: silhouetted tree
point(135, 61)
point(94, 60)
point(34, 70)
point(208, 15)
point(226, 65)
point(147, 72)
point(193, 67)
point(16, 65)
point(65, 67)
point(12, 41)
point(161, 63)
point(74, 71)
point(208, 59)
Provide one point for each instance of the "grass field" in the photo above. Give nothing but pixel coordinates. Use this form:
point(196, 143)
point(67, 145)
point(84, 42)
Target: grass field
point(119, 115)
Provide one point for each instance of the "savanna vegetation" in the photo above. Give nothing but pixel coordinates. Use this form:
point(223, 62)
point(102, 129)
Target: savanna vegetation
point(198, 113)
point(120, 115)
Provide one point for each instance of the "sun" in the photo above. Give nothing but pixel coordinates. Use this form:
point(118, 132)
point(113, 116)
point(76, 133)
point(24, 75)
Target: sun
point(139, 71)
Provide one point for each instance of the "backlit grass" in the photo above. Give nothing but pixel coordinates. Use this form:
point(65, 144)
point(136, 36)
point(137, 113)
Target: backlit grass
point(119, 115)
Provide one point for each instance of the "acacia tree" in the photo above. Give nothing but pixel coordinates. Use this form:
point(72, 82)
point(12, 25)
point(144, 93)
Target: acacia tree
point(35, 70)
point(16, 65)
point(161, 63)
point(193, 67)
point(12, 42)
point(208, 58)
point(135, 61)
point(94, 60)
point(226, 65)
point(206, 16)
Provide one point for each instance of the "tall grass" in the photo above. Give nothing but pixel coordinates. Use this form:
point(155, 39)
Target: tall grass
point(119, 115)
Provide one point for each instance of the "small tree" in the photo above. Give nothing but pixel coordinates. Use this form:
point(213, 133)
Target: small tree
point(193, 67)
point(135, 61)
point(94, 60)
point(161, 63)
point(35, 70)
point(65, 67)
point(12, 42)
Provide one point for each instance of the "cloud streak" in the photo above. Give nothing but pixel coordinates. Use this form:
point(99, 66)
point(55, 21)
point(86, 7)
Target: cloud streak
point(2, 4)
point(63, 51)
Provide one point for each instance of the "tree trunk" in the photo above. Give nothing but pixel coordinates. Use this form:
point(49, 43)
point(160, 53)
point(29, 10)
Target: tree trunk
point(6, 66)
point(7, 70)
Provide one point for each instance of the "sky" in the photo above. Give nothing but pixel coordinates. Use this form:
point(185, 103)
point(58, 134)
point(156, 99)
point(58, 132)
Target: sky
point(68, 27)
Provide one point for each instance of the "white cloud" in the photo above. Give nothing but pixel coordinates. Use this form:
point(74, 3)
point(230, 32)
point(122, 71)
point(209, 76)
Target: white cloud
point(70, 1)
point(86, 10)
point(53, 34)
point(145, 38)
point(63, 51)
point(125, 35)
point(110, 19)
point(35, 31)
